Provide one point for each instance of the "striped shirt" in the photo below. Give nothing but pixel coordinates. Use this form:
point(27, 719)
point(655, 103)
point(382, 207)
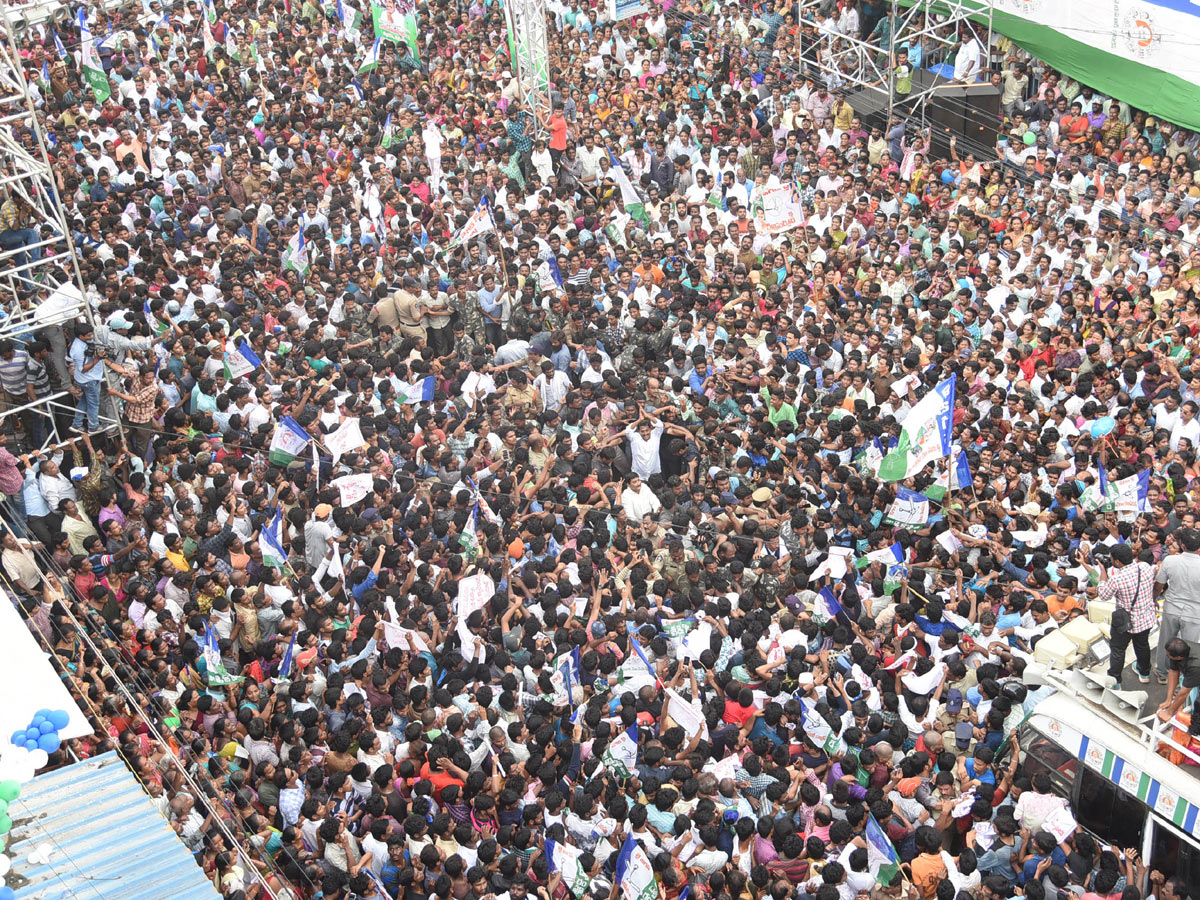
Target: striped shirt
point(12, 373)
point(39, 376)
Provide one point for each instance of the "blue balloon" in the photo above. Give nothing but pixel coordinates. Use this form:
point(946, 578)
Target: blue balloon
point(44, 713)
point(37, 720)
point(46, 727)
point(31, 746)
point(1102, 426)
point(49, 742)
point(18, 737)
point(7, 893)
point(60, 718)
point(32, 734)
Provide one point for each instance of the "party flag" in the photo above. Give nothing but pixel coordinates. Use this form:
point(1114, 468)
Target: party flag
point(620, 756)
point(93, 69)
point(924, 434)
point(288, 442)
point(271, 543)
point(241, 361)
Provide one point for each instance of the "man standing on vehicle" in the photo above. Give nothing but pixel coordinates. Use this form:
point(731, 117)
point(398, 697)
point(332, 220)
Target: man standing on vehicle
point(1131, 586)
point(1178, 581)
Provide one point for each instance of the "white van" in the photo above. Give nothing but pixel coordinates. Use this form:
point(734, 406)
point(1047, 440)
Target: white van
point(1120, 789)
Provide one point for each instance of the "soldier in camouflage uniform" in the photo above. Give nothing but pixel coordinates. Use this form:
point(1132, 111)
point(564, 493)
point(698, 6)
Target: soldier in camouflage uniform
point(464, 344)
point(465, 302)
point(356, 319)
point(556, 317)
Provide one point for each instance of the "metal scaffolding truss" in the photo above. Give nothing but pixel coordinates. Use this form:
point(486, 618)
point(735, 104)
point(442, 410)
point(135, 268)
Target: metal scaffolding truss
point(858, 64)
point(40, 283)
point(526, 21)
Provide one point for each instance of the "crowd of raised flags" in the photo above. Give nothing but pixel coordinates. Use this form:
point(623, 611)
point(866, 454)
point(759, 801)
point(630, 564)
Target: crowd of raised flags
point(734, 659)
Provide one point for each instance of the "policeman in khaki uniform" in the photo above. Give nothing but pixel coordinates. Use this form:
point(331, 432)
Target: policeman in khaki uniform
point(403, 310)
point(672, 559)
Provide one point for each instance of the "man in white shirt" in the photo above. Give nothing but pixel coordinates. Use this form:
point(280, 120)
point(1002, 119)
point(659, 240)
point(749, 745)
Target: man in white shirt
point(1187, 427)
point(969, 61)
point(638, 499)
point(552, 386)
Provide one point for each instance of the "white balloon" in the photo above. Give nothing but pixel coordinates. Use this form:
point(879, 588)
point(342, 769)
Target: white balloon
point(17, 765)
point(42, 855)
point(38, 757)
point(5, 865)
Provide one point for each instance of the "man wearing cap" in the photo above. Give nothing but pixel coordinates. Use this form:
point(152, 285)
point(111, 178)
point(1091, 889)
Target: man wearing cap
point(319, 535)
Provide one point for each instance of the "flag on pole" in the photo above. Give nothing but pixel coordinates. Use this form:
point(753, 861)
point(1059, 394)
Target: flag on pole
point(631, 201)
point(231, 47)
point(271, 542)
point(565, 859)
point(469, 539)
point(890, 555)
point(819, 732)
point(620, 756)
point(909, 509)
point(872, 457)
point(240, 361)
point(826, 606)
point(924, 435)
point(408, 31)
point(1100, 495)
point(634, 873)
point(45, 74)
point(894, 578)
point(58, 45)
point(1132, 494)
point(93, 69)
point(481, 222)
point(882, 860)
point(940, 487)
point(482, 504)
point(354, 18)
point(285, 665)
point(641, 654)
point(295, 257)
point(210, 12)
point(389, 134)
point(217, 674)
point(420, 392)
point(210, 40)
point(960, 473)
point(371, 60)
point(288, 442)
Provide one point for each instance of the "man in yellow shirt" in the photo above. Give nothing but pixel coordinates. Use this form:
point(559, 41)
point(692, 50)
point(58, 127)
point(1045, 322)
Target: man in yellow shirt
point(15, 230)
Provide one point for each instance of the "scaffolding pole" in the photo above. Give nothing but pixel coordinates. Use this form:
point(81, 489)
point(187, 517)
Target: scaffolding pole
point(41, 286)
point(526, 21)
point(854, 63)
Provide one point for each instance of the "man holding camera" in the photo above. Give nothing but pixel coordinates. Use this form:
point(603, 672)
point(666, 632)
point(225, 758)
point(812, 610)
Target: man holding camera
point(86, 362)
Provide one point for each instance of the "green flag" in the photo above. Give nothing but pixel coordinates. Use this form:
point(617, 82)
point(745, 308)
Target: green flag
point(925, 434)
point(93, 70)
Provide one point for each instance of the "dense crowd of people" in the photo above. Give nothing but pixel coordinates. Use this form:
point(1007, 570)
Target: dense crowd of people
point(504, 508)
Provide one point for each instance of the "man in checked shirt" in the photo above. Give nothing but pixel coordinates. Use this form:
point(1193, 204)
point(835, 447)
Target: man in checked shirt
point(1130, 584)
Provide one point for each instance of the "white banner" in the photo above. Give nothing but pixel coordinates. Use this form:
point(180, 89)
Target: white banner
point(348, 437)
point(780, 210)
point(686, 715)
point(353, 488)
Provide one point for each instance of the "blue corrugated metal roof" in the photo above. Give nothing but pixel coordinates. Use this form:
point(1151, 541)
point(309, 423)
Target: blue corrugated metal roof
point(109, 840)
